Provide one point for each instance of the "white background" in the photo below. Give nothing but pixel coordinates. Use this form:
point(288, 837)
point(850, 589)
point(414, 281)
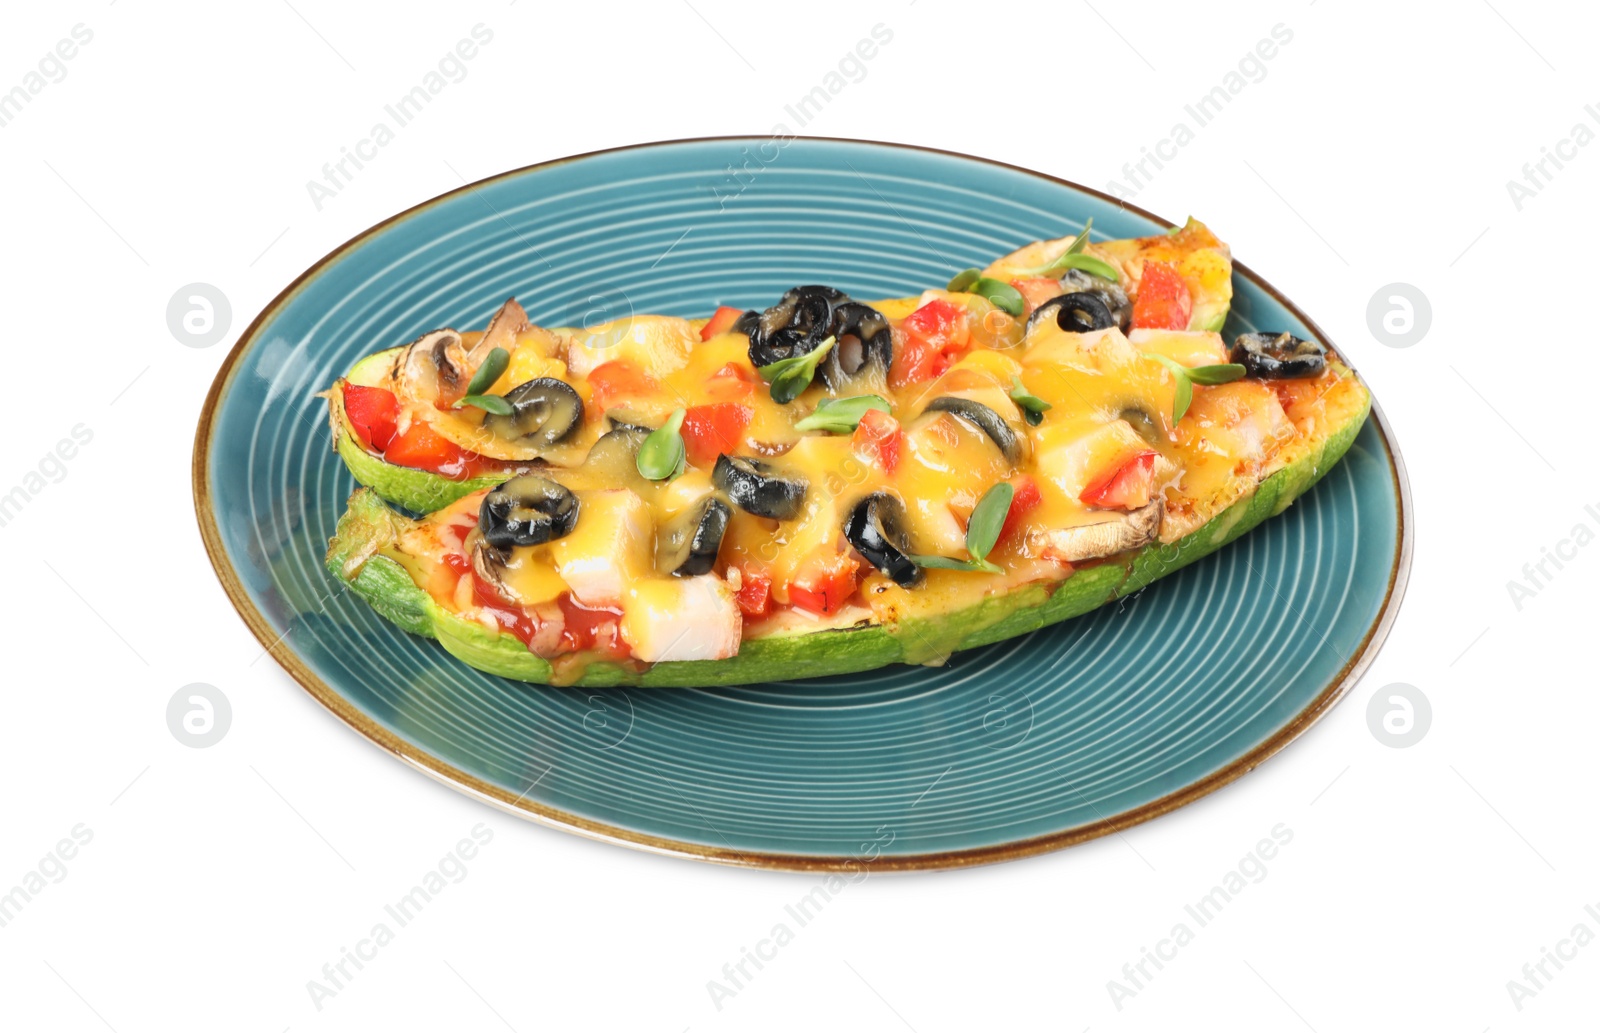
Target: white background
point(218, 881)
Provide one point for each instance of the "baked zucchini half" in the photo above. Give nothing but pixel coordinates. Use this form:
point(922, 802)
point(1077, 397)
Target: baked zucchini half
point(369, 554)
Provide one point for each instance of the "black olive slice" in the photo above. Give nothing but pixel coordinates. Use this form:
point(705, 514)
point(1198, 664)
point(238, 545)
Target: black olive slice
point(545, 412)
point(862, 351)
point(985, 419)
point(1278, 356)
point(623, 418)
point(876, 528)
point(527, 510)
point(759, 487)
point(747, 323)
point(1116, 299)
point(1144, 422)
point(1076, 313)
point(689, 542)
point(801, 320)
point(615, 456)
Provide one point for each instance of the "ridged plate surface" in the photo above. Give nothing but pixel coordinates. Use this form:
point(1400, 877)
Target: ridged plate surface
point(1038, 742)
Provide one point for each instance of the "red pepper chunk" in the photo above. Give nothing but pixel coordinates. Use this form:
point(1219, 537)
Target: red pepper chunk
point(1163, 301)
point(1126, 487)
point(372, 412)
point(936, 335)
point(721, 322)
point(710, 430)
point(423, 448)
point(824, 591)
point(878, 437)
point(755, 593)
point(1024, 498)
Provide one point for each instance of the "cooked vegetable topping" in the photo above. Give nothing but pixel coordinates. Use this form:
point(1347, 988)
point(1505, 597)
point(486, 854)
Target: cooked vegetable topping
point(541, 413)
point(795, 326)
point(841, 415)
point(1279, 356)
point(527, 510)
point(758, 487)
point(983, 418)
point(983, 530)
point(876, 528)
point(791, 376)
point(688, 543)
point(1001, 295)
point(864, 351)
point(1077, 313)
point(662, 454)
point(1033, 407)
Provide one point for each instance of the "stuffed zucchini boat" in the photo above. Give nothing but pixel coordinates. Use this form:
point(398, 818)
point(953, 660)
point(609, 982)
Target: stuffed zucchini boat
point(826, 486)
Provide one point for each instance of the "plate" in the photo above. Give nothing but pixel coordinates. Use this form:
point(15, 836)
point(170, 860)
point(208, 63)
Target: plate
point(1040, 742)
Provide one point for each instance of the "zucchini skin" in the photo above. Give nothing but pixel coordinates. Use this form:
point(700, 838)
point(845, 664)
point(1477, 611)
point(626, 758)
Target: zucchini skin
point(388, 588)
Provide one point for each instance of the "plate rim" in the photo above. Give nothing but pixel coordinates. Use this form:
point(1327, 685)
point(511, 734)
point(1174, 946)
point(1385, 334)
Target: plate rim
point(475, 788)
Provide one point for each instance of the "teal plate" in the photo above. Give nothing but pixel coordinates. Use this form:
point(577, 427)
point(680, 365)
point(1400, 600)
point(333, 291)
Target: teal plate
point(1028, 745)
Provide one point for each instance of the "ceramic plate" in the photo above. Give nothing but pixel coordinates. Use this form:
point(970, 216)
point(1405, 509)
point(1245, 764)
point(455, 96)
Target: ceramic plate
point(1028, 745)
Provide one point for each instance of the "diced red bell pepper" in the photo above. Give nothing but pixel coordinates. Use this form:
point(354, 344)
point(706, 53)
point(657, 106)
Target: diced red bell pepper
point(878, 437)
point(612, 381)
point(372, 412)
point(825, 588)
point(721, 322)
point(936, 335)
point(755, 593)
point(1163, 301)
point(1025, 496)
point(1126, 487)
point(710, 430)
point(423, 448)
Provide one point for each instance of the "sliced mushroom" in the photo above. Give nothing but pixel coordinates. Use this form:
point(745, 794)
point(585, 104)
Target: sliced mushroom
point(527, 510)
point(1108, 537)
point(863, 349)
point(876, 528)
point(759, 487)
point(433, 368)
point(545, 411)
point(1077, 313)
point(1278, 356)
point(687, 545)
point(983, 418)
point(509, 321)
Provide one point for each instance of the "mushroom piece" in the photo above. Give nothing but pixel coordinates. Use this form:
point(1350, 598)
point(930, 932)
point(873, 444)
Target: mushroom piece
point(759, 487)
point(862, 352)
point(508, 321)
point(876, 528)
point(985, 419)
point(433, 368)
point(545, 412)
point(688, 543)
point(1108, 537)
point(1278, 356)
point(527, 510)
